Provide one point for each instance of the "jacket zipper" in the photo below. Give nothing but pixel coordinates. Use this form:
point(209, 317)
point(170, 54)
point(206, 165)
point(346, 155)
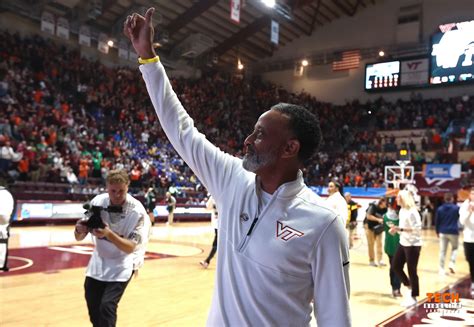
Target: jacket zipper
point(243, 243)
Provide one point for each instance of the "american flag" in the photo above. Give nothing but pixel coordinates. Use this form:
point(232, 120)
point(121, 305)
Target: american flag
point(350, 60)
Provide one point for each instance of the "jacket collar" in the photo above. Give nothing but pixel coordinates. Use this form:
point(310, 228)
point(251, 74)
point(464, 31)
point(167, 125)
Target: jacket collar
point(286, 190)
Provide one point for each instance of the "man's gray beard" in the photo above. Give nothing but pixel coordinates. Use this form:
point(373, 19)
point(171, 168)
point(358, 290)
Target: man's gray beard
point(252, 162)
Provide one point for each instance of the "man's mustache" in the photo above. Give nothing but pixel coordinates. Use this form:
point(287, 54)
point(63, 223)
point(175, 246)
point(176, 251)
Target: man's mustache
point(250, 150)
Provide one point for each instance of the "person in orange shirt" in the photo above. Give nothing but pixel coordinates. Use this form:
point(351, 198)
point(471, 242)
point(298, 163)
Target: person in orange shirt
point(65, 107)
point(141, 115)
point(116, 151)
point(358, 180)
point(135, 177)
point(83, 172)
point(37, 96)
point(23, 168)
point(52, 137)
point(16, 119)
point(436, 140)
point(347, 180)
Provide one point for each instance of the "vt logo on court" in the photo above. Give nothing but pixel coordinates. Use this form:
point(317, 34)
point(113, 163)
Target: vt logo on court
point(286, 233)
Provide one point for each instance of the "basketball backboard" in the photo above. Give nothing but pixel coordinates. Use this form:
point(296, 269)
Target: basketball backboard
point(396, 175)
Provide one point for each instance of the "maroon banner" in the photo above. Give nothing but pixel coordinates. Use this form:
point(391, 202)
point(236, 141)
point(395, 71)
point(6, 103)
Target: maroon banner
point(436, 187)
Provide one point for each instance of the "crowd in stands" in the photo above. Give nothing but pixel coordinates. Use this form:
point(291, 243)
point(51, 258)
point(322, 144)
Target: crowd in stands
point(64, 118)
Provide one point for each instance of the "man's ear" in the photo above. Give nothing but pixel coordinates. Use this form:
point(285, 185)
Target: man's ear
point(291, 149)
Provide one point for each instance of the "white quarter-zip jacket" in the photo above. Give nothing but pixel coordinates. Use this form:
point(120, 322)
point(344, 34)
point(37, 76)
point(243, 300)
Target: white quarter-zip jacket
point(273, 259)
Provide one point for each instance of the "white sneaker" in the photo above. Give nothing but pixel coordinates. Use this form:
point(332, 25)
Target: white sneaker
point(382, 264)
point(442, 272)
point(373, 264)
point(408, 302)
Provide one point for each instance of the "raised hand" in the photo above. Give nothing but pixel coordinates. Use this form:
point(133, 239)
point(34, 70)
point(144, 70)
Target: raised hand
point(140, 31)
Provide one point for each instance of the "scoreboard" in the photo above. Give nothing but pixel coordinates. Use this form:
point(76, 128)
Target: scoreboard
point(396, 74)
point(452, 54)
point(382, 75)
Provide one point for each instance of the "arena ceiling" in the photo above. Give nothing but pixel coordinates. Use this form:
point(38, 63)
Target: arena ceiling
point(220, 41)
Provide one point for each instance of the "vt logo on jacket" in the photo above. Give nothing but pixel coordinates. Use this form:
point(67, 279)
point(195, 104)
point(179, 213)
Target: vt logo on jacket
point(286, 233)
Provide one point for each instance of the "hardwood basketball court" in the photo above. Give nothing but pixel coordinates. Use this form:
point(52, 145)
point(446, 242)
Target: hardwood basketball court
point(45, 284)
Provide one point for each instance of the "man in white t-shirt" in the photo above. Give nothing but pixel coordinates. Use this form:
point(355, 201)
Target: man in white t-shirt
point(7, 204)
point(119, 247)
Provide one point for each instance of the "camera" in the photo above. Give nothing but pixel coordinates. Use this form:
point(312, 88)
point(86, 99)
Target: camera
point(94, 219)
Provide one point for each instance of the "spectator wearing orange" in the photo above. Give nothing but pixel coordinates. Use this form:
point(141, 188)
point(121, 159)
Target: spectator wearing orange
point(83, 172)
point(135, 177)
point(23, 168)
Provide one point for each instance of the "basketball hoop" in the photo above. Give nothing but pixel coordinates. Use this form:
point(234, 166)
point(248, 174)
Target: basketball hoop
point(401, 174)
point(402, 163)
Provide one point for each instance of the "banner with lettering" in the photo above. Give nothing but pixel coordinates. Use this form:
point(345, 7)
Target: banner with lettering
point(85, 35)
point(62, 28)
point(235, 11)
point(47, 22)
point(102, 45)
point(275, 32)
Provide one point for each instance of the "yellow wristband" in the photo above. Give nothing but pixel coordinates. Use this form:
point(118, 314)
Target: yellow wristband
point(148, 61)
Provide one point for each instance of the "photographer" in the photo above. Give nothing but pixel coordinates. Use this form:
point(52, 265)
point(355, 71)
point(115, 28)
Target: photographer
point(119, 247)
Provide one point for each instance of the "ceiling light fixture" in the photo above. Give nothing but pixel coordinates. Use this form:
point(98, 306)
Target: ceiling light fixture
point(239, 65)
point(269, 3)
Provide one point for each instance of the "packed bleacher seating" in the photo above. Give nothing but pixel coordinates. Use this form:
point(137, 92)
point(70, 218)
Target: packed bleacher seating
point(65, 119)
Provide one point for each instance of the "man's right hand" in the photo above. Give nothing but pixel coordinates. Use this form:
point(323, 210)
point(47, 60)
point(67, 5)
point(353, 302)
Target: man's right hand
point(140, 31)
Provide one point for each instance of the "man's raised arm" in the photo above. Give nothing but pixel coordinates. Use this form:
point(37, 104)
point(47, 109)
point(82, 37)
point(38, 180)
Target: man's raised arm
point(213, 167)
